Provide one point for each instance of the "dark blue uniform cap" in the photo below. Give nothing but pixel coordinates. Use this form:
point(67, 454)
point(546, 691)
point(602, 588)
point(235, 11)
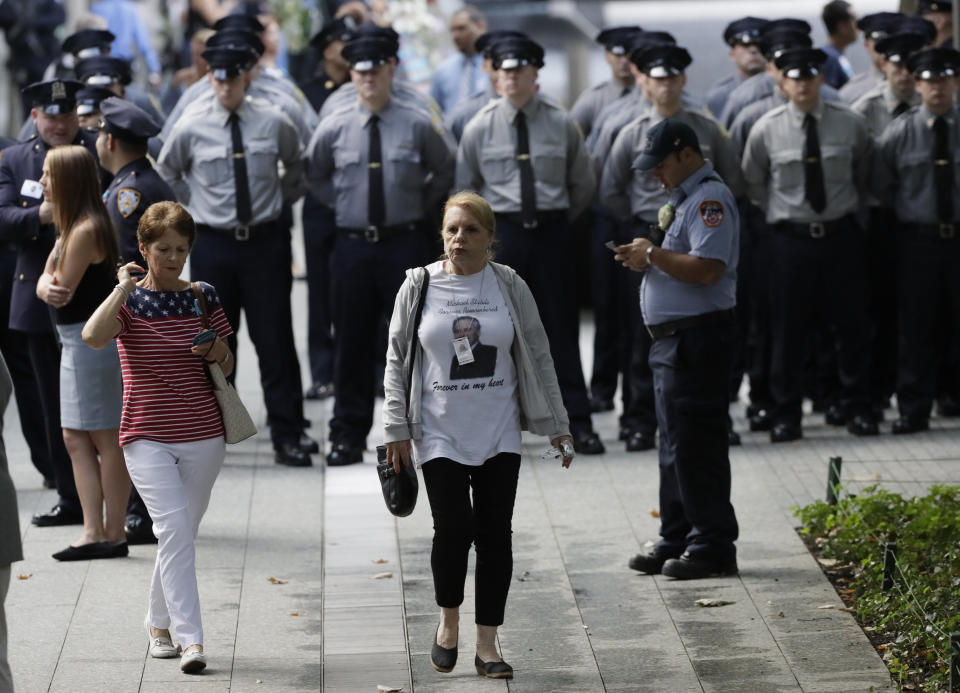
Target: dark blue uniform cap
point(662, 60)
point(89, 98)
point(340, 29)
point(899, 47)
point(665, 138)
point(745, 31)
point(55, 97)
point(512, 53)
point(484, 43)
point(786, 24)
point(384, 33)
point(879, 24)
point(103, 70)
point(916, 25)
point(618, 39)
point(127, 121)
point(925, 6)
point(774, 43)
point(88, 43)
point(251, 9)
point(932, 63)
point(236, 38)
point(226, 63)
point(365, 53)
point(244, 22)
point(647, 39)
point(801, 63)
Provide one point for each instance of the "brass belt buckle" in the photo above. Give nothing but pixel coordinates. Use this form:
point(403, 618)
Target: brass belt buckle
point(947, 231)
point(817, 229)
point(371, 234)
point(242, 233)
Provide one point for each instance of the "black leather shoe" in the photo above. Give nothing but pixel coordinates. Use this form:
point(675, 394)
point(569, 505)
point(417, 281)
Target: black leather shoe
point(835, 416)
point(139, 530)
point(784, 433)
point(291, 455)
point(650, 563)
point(752, 410)
point(587, 443)
point(599, 404)
point(624, 433)
point(319, 391)
point(443, 659)
point(905, 425)
point(861, 425)
point(948, 406)
point(761, 421)
point(493, 670)
point(640, 441)
point(57, 517)
point(86, 552)
point(308, 444)
point(119, 550)
point(733, 438)
point(343, 454)
point(689, 567)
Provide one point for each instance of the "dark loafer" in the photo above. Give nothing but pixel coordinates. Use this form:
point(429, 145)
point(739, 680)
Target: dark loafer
point(651, 563)
point(761, 421)
point(600, 404)
point(343, 454)
point(292, 455)
point(139, 530)
point(784, 433)
point(587, 443)
point(319, 391)
point(640, 441)
point(689, 567)
point(443, 659)
point(733, 438)
point(835, 416)
point(905, 425)
point(493, 670)
point(86, 552)
point(57, 517)
point(308, 444)
point(861, 425)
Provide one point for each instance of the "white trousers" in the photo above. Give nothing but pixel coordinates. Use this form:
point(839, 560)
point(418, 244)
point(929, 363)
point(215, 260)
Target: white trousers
point(175, 481)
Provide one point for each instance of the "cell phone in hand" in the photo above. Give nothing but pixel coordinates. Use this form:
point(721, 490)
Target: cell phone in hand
point(204, 337)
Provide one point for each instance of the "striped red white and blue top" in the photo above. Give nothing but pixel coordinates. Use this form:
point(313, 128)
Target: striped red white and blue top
point(167, 392)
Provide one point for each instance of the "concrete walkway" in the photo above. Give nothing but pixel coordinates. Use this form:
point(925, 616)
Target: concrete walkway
point(308, 584)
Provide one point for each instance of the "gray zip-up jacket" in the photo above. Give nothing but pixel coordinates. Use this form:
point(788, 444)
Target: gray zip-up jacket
point(538, 392)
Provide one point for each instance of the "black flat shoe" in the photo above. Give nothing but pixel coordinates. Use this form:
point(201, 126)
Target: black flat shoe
point(651, 563)
point(600, 404)
point(861, 425)
point(689, 567)
point(905, 425)
point(291, 455)
point(120, 550)
point(835, 416)
point(784, 433)
point(443, 659)
point(733, 438)
point(319, 391)
point(57, 517)
point(761, 421)
point(139, 530)
point(493, 670)
point(587, 443)
point(86, 552)
point(308, 444)
point(343, 454)
point(640, 441)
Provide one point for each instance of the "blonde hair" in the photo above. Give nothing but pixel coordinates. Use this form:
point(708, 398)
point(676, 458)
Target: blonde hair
point(479, 209)
point(161, 216)
point(75, 179)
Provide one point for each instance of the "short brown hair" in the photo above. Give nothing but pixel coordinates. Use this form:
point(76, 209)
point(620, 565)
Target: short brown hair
point(479, 209)
point(161, 216)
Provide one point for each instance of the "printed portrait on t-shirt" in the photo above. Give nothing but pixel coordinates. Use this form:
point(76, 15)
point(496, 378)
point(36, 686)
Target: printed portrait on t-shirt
point(484, 362)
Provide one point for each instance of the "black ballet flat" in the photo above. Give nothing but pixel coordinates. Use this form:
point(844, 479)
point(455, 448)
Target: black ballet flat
point(493, 670)
point(443, 659)
point(86, 552)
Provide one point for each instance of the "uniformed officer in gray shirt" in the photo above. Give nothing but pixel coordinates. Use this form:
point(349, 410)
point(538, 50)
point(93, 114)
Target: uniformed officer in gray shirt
point(874, 27)
point(743, 36)
point(688, 298)
point(384, 165)
point(222, 161)
point(617, 41)
point(807, 165)
point(526, 156)
point(918, 168)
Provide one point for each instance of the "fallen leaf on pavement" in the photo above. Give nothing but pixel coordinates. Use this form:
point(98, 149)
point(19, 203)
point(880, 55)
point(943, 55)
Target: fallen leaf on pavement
point(294, 613)
point(24, 577)
point(387, 689)
point(838, 608)
point(382, 576)
point(713, 602)
point(654, 513)
point(780, 614)
point(275, 581)
point(876, 476)
point(828, 562)
point(381, 561)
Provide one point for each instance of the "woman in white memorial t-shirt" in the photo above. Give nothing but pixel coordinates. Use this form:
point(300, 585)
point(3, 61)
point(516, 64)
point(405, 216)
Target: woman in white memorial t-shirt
point(481, 378)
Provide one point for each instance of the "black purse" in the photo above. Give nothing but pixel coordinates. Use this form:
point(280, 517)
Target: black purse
point(400, 489)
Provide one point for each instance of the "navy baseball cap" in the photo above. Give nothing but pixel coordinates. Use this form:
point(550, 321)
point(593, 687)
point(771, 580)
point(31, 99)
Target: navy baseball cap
point(899, 47)
point(227, 63)
point(618, 39)
point(932, 63)
point(365, 53)
point(104, 70)
point(56, 97)
point(665, 138)
point(745, 31)
point(88, 43)
point(127, 121)
point(879, 24)
point(801, 63)
point(512, 53)
point(89, 98)
point(662, 60)
point(340, 29)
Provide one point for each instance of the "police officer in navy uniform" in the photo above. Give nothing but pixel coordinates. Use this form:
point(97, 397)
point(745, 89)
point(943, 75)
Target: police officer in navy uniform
point(384, 164)
point(688, 296)
point(917, 159)
point(940, 13)
point(333, 70)
point(27, 220)
point(527, 157)
point(743, 37)
point(222, 162)
point(88, 106)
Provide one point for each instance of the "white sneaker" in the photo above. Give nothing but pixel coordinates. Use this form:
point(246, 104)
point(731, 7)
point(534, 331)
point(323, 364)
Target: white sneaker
point(193, 662)
point(160, 648)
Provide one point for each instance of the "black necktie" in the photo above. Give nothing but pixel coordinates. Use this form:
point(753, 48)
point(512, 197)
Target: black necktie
point(528, 191)
point(900, 109)
point(942, 170)
point(244, 212)
point(816, 193)
point(376, 208)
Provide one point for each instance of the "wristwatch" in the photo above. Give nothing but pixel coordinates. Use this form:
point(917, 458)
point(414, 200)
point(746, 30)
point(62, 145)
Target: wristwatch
point(650, 255)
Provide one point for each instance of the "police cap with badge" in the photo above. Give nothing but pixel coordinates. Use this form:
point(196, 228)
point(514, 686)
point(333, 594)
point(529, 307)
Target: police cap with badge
point(384, 33)
point(89, 98)
point(662, 60)
point(879, 24)
point(927, 6)
point(127, 121)
point(244, 22)
point(934, 63)
point(367, 53)
point(745, 32)
point(646, 39)
point(916, 25)
point(104, 70)
point(775, 41)
point(227, 63)
point(340, 29)
point(88, 43)
point(236, 38)
point(485, 42)
point(618, 39)
point(898, 48)
point(514, 53)
point(56, 97)
point(665, 138)
point(801, 63)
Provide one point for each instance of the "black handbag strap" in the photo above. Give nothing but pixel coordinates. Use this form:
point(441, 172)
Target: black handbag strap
point(415, 338)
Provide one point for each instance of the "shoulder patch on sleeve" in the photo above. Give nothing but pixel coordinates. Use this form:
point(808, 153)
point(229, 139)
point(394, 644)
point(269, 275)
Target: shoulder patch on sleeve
point(712, 213)
point(128, 200)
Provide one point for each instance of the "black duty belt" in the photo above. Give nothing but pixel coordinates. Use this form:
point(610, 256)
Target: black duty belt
point(816, 229)
point(9, 247)
point(543, 218)
point(239, 233)
point(375, 234)
point(946, 232)
point(671, 327)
